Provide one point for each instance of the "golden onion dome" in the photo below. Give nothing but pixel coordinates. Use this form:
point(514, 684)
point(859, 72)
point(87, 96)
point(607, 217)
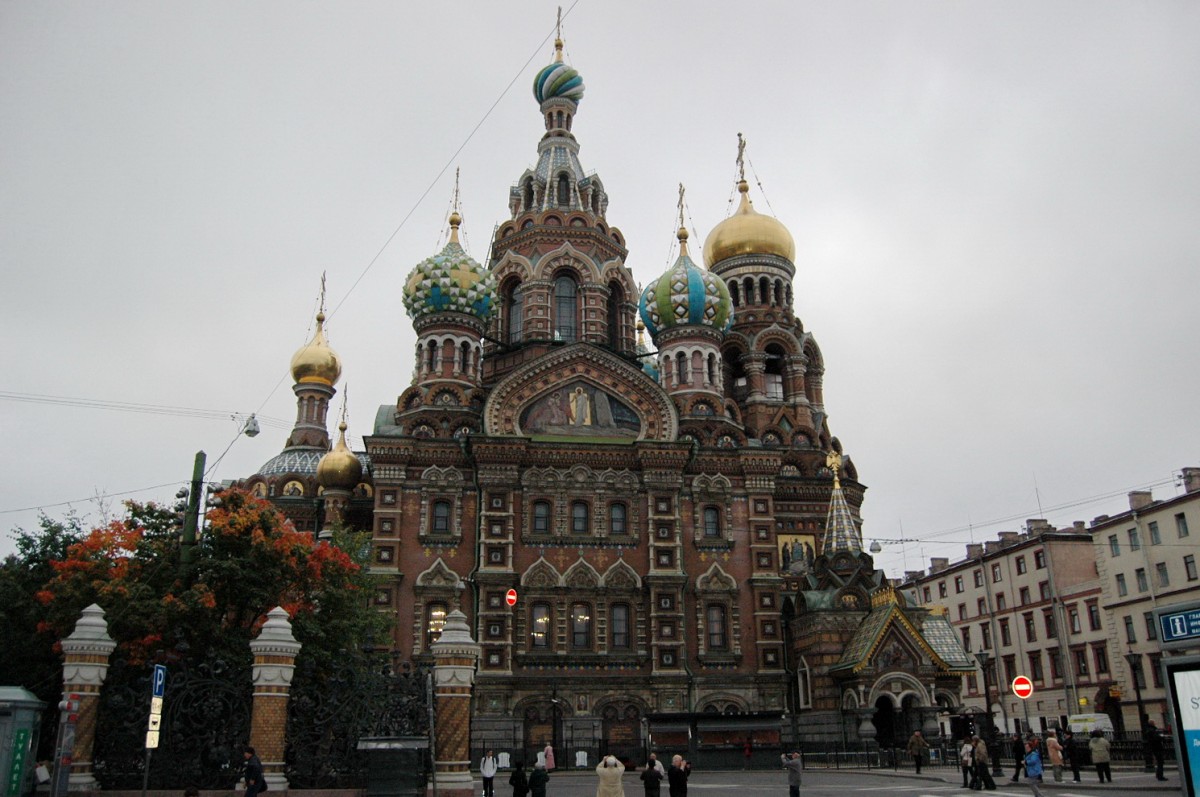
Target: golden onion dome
point(748, 232)
point(316, 361)
point(339, 469)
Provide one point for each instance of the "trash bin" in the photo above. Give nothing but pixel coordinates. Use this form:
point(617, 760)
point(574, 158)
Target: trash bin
point(20, 718)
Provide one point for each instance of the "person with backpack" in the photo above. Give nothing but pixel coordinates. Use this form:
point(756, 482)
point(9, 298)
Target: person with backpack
point(1033, 765)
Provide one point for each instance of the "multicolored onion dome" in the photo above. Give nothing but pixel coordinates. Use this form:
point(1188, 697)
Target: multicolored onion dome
point(748, 232)
point(339, 469)
point(450, 281)
point(687, 294)
point(558, 79)
point(316, 361)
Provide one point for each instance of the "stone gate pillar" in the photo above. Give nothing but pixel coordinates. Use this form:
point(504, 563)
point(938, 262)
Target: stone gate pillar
point(274, 652)
point(85, 665)
point(455, 655)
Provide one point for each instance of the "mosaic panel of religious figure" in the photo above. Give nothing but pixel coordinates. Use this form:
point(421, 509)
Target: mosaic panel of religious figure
point(581, 410)
point(796, 552)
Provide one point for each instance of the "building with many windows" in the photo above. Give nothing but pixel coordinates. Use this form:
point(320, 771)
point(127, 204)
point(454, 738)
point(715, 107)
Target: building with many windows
point(1146, 559)
point(1027, 603)
point(679, 525)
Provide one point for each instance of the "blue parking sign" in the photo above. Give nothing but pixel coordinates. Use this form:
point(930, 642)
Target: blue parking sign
point(160, 680)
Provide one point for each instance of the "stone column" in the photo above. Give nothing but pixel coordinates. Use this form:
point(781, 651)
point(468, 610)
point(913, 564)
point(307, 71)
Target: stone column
point(274, 652)
point(456, 655)
point(85, 665)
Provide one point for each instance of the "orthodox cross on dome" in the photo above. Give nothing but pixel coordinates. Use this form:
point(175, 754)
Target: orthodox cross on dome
point(741, 158)
point(455, 216)
point(682, 191)
point(322, 307)
point(558, 42)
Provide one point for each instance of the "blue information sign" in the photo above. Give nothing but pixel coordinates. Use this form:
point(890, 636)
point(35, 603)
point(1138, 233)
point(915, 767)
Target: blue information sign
point(160, 680)
point(1179, 626)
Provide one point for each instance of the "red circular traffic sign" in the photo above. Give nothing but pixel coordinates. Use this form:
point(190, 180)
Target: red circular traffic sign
point(510, 597)
point(1022, 687)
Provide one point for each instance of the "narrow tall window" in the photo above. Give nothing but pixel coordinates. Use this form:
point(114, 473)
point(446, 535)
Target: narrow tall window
point(1135, 542)
point(717, 636)
point(1160, 570)
point(1155, 537)
point(435, 620)
point(1114, 545)
point(618, 623)
point(441, 517)
point(541, 517)
point(564, 191)
point(1181, 526)
point(1130, 634)
point(1122, 587)
point(579, 518)
point(616, 297)
point(514, 316)
point(616, 519)
point(539, 626)
point(712, 522)
point(581, 627)
point(565, 309)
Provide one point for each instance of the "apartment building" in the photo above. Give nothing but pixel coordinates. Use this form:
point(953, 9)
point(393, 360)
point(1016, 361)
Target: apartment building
point(1146, 558)
point(1028, 603)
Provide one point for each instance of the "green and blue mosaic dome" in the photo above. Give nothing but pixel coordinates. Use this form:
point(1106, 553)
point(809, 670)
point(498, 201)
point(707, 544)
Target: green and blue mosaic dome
point(687, 294)
point(450, 281)
point(558, 80)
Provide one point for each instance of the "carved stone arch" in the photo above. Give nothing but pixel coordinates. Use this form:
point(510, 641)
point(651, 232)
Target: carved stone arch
point(777, 335)
point(909, 686)
point(621, 576)
point(512, 265)
point(567, 257)
point(439, 576)
point(774, 436)
point(849, 699)
point(543, 478)
point(725, 703)
point(893, 699)
point(621, 703)
point(581, 475)
point(715, 579)
point(581, 575)
point(816, 362)
point(947, 700)
point(616, 271)
point(733, 412)
point(438, 478)
point(541, 575)
point(590, 365)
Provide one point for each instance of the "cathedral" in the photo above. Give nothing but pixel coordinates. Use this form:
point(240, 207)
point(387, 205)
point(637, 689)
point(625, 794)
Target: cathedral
point(654, 538)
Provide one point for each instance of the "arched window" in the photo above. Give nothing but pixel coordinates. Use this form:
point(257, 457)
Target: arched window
point(435, 620)
point(773, 373)
point(734, 292)
point(581, 627)
point(681, 369)
point(736, 385)
point(431, 356)
point(716, 628)
point(778, 292)
point(712, 521)
point(541, 517)
point(528, 197)
point(564, 191)
point(618, 626)
point(764, 290)
point(464, 358)
point(441, 517)
point(748, 289)
point(539, 626)
point(565, 293)
point(616, 297)
point(712, 369)
point(579, 518)
point(514, 315)
point(616, 519)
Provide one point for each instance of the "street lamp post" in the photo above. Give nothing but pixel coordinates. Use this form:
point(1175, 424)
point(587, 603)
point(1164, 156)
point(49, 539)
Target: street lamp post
point(990, 740)
point(1135, 668)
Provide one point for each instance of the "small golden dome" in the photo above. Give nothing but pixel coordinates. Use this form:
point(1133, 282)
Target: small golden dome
point(340, 468)
point(317, 362)
point(748, 232)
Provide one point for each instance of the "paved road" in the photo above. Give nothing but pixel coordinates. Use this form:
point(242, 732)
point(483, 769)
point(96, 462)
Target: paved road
point(825, 783)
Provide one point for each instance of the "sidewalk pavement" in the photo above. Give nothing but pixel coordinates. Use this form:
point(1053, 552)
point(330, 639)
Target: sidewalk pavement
point(1124, 780)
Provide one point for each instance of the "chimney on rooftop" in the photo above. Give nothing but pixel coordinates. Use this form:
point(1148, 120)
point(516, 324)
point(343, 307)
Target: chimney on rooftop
point(1079, 526)
point(1008, 538)
point(1140, 499)
point(938, 563)
point(974, 551)
point(1191, 480)
point(913, 575)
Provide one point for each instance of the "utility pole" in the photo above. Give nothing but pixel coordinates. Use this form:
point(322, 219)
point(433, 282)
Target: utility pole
point(191, 518)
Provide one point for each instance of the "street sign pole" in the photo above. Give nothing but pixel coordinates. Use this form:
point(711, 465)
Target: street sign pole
point(1022, 687)
point(158, 688)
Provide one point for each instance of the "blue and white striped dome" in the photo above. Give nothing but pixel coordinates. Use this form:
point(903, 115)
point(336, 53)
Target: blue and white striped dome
point(686, 294)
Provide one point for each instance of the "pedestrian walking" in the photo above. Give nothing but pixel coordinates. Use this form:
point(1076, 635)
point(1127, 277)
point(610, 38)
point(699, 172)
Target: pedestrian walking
point(652, 777)
point(793, 765)
point(983, 765)
point(658, 765)
point(255, 784)
point(918, 748)
point(1073, 750)
point(487, 771)
point(1033, 766)
point(1054, 750)
point(518, 781)
point(677, 777)
point(1154, 743)
point(1018, 753)
point(538, 780)
point(1101, 755)
point(747, 752)
point(966, 760)
point(549, 753)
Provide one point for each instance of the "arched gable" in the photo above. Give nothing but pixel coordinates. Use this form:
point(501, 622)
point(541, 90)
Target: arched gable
point(541, 574)
point(581, 575)
point(567, 256)
point(439, 574)
point(620, 576)
point(715, 579)
point(581, 369)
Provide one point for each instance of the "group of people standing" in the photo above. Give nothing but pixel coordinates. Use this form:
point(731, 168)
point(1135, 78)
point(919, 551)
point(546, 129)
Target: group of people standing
point(609, 772)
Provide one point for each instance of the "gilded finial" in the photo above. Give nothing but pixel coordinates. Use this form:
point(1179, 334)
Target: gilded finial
point(682, 234)
point(741, 159)
point(558, 42)
point(833, 461)
point(321, 307)
point(455, 216)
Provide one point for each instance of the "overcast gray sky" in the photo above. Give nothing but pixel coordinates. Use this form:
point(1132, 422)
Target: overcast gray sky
point(996, 209)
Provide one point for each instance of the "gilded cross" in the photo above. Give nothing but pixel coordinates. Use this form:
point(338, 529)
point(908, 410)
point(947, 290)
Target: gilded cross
point(741, 159)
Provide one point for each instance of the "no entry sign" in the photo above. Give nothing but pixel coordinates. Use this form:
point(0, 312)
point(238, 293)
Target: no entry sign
point(510, 597)
point(1022, 687)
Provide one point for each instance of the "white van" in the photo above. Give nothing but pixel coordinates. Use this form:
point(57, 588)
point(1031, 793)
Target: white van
point(1086, 723)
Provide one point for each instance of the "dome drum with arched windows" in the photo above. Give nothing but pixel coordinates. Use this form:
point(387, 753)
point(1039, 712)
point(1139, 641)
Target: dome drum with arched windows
point(450, 281)
point(688, 294)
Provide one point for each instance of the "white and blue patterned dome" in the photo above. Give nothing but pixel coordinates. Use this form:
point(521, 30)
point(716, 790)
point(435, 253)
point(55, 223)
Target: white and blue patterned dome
point(687, 294)
point(558, 79)
point(450, 281)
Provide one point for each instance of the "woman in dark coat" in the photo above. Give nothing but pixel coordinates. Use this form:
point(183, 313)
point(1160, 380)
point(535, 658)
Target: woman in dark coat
point(538, 780)
point(520, 785)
